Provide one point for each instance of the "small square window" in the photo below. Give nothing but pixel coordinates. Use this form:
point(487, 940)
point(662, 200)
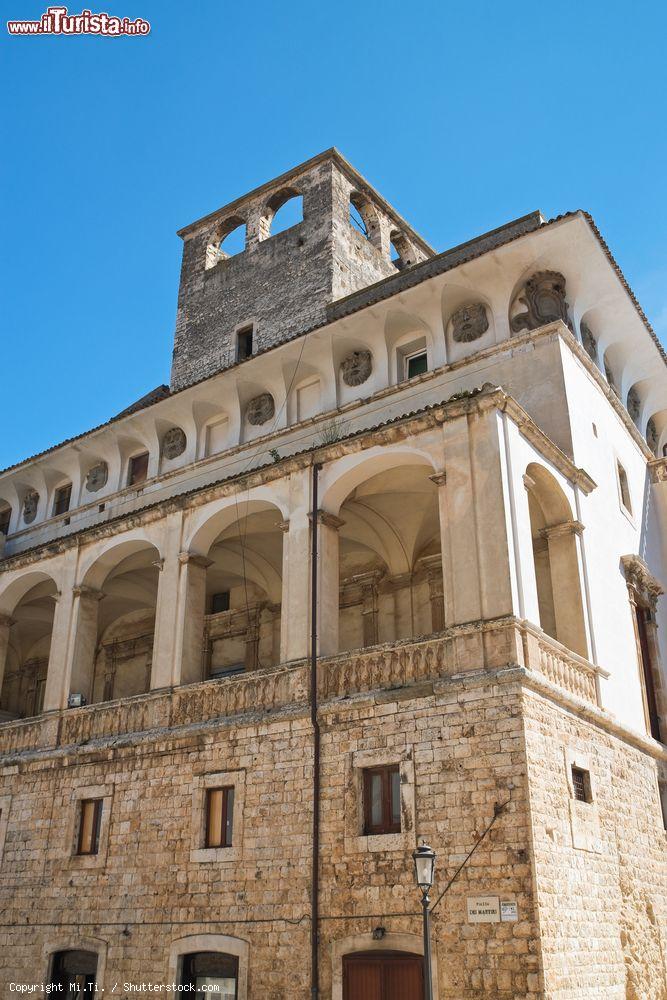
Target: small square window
point(581, 784)
point(90, 816)
point(416, 364)
point(219, 817)
point(624, 487)
point(244, 343)
point(62, 499)
point(220, 602)
point(382, 800)
point(138, 469)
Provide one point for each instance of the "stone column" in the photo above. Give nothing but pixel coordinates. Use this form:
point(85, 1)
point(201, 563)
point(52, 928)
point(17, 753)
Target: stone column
point(435, 591)
point(295, 601)
point(85, 617)
point(6, 623)
point(477, 575)
point(62, 636)
point(253, 618)
point(166, 650)
point(369, 608)
point(189, 659)
point(328, 583)
point(566, 584)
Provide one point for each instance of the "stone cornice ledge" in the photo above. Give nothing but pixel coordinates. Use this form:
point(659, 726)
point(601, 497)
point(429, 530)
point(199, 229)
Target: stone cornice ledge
point(389, 432)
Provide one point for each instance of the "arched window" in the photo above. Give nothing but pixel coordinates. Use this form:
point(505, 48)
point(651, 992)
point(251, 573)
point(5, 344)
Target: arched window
point(74, 974)
point(553, 533)
point(211, 973)
point(229, 241)
point(286, 210)
point(402, 254)
point(364, 218)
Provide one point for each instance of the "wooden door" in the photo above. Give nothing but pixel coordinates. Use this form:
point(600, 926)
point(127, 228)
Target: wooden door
point(383, 975)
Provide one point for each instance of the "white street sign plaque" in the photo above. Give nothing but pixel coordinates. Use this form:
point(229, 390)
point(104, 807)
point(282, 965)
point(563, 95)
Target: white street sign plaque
point(509, 909)
point(483, 909)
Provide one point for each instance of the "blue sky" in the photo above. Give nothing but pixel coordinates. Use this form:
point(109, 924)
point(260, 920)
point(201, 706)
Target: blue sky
point(463, 115)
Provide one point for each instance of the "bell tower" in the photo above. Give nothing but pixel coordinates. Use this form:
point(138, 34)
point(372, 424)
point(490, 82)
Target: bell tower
point(278, 286)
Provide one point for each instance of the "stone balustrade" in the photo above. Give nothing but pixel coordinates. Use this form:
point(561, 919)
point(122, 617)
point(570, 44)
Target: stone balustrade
point(567, 670)
point(385, 667)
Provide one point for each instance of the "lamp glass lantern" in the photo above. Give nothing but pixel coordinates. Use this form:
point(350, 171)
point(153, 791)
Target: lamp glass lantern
point(424, 859)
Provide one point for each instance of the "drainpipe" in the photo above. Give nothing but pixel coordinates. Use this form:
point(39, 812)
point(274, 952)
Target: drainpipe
point(315, 873)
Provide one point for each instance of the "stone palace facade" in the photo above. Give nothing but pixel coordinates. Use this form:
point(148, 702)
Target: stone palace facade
point(487, 430)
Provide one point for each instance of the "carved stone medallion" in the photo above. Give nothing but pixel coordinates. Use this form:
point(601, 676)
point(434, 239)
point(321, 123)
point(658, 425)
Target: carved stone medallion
point(174, 442)
point(260, 409)
point(30, 504)
point(97, 477)
point(543, 296)
point(588, 341)
point(652, 436)
point(356, 368)
point(469, 323)
point(633, 403)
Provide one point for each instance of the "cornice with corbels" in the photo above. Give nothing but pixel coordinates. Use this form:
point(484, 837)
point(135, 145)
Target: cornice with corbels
point(481, 400)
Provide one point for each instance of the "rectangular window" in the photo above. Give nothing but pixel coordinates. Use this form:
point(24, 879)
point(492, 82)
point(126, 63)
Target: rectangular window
point(219, 817)
point(416, 364)
point(216, 436)
point(62, 499)
point(382, 800)
point(138, 469)
point(220, 602)
point(643, 618)
point(89, 826)
point(5, 518)
point(624, 487)
point(581, 784)
point(244, 344)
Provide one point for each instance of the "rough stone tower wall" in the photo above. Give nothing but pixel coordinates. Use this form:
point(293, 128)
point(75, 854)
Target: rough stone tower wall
point(280, 284)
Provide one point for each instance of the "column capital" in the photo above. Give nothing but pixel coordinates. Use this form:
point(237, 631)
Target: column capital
point(439, 478)
point(89, 593)
point(327, 519)
point(565, 528)
point(192, 557)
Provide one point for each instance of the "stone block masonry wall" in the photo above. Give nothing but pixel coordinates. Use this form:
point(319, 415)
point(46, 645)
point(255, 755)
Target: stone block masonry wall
point(465, 749)
point(280, 284)
point(601, 867)
point(460, 751)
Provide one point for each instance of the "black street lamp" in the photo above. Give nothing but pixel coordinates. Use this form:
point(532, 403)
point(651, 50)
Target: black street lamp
point(424, 859)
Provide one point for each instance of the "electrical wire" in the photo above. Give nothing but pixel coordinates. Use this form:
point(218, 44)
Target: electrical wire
point(498, 809)
point(242, 533)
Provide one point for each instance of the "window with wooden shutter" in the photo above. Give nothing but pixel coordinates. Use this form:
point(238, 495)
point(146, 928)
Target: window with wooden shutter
point(89, 826)
point(138, 470)
point(382, 800)
point(219, 817)
point(62, 499)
